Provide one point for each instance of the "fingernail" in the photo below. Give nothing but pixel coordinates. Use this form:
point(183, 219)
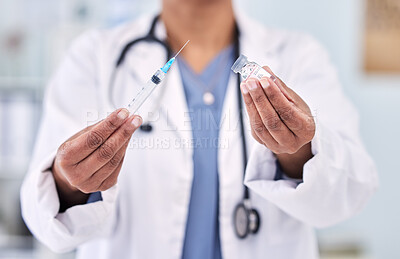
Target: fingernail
point(244, 88)
point(137, 121)
point(252, 85)
point(264, 83)
point(123, 114)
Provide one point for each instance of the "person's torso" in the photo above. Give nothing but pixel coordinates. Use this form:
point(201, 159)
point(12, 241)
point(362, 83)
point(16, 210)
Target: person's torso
point(156, 178)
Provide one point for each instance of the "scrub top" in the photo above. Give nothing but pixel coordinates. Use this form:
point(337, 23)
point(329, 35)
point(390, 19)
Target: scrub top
point(202, 230)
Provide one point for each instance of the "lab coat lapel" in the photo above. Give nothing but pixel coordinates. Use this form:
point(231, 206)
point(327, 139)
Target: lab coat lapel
point(173, 104)
point(174, 109)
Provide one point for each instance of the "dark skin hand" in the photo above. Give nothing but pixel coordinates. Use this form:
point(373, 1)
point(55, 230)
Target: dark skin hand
point(281, 121)
point(91, 160)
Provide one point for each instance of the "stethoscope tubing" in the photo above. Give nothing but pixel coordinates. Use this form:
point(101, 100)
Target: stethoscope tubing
point(150, 37)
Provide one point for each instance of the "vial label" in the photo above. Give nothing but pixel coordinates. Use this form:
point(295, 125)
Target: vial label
point(254, 71)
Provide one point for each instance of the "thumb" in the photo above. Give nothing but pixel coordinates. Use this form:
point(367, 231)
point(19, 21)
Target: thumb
point(281, 85)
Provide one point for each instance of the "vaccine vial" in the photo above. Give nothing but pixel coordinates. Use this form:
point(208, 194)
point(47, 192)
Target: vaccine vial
point(249, 69)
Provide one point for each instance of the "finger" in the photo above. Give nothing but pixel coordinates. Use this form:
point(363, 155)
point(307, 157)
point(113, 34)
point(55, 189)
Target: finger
point(294, 118)
point(82, 131)
point(268, 115)
point(282, 86)
point(111, 180)
point(258, 129)
point(91, 187)
point(108, 149)
point(104, 172)
point(254, 134)
point(81, 147)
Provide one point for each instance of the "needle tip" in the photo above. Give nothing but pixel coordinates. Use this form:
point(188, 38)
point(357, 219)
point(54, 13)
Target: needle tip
point(182, 48)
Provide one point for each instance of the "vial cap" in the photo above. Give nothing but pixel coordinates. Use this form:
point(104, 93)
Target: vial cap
point(239, 64)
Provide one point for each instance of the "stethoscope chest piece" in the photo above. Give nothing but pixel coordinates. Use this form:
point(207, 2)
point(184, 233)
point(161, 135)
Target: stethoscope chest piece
point(246, 220)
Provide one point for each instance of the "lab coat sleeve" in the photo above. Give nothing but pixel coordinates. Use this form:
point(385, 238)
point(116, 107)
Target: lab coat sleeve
point(70, 100)
point(341, 177)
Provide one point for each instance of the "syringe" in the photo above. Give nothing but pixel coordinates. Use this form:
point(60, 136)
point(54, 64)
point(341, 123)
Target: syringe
point(149, 87)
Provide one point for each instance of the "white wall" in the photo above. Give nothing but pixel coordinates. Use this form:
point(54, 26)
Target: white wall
point(338, 25)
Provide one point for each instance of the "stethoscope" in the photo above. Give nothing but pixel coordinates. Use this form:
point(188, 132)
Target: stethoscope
point(245, 218)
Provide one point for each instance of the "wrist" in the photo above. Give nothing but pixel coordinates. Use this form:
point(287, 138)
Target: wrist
point(61, 181)
point(292, 164)
point(68, 195)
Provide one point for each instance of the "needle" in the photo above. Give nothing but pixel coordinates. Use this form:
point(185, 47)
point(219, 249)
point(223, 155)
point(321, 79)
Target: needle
point(181, 48)
point(167, 65)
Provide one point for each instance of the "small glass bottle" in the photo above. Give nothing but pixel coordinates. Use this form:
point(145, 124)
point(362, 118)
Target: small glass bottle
point(249, 69)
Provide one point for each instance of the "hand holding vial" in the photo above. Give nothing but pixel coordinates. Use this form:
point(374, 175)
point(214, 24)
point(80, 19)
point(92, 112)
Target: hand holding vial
point(279, 118)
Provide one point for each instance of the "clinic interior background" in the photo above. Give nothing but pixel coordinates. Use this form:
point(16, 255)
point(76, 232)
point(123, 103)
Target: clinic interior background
point(35, 34)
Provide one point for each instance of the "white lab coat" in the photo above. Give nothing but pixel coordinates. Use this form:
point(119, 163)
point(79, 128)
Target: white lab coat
point(144, 216)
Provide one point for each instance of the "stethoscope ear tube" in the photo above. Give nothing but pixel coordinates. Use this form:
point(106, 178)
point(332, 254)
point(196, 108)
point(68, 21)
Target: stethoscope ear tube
point(150, 37)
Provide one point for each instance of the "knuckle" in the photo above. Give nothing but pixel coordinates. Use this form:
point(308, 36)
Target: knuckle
point(248, 101)
point(258, 127)
point(286, 113)
point(272, 96)
point(126, 134)
point(273, 123)
point(111, 123)
point(298, 125)
point(114, 162)
point(94, 139)
point(106, 151)
point(259, 99)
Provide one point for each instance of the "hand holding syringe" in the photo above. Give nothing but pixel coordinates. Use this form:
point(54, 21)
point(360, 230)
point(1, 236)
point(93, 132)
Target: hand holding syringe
point(149, 87)
point(91, 160)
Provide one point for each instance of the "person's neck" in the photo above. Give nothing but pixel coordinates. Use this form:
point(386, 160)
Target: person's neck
point(208, 24)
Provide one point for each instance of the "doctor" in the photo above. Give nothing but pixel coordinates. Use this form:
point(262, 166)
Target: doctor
point(112, 190)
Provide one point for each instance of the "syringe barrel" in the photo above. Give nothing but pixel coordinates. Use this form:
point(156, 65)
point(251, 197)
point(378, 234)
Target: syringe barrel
point(146, 91)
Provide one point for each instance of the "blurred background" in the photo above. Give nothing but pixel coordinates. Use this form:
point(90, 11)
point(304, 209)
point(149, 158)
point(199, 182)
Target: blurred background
point(34, 35)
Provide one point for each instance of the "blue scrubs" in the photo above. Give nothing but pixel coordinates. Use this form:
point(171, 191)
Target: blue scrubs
point(202, 229)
